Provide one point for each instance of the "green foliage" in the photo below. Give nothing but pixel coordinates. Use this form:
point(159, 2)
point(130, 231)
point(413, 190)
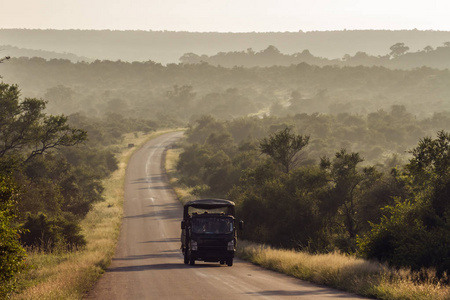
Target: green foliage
point(345, 194)
point(11, 252)
point(339, 203)
point(47, 234)
point(415, 232)
point(403, 239)
point(283, 146)
point(62, 178)
point(430, 170)
point(25, 130)
point(283, 209)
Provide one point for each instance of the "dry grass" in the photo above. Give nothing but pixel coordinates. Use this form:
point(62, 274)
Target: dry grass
point(62, 275)
point(183, 193)
point(347, 273)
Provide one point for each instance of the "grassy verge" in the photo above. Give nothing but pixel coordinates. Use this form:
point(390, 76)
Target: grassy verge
point(344, 272)
point(349, 273)
point(69, 275)
point(183, 193)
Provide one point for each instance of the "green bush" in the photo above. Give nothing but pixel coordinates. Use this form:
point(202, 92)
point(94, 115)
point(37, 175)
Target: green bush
point(415, 232)
point(48, 234)
point(11, 252)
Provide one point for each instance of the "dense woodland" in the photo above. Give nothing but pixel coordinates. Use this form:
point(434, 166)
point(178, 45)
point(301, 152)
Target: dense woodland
point(293, 194)
point(179, 91)
point(318, 157)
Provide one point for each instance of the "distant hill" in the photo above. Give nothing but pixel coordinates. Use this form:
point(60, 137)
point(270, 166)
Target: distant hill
point(7, 50)
point(168, 46)
point(438, 58)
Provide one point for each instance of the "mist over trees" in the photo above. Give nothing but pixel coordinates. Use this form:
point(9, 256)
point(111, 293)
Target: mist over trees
point(150, 90)
point(397, 58)
point(320, 154)
point(168, 46)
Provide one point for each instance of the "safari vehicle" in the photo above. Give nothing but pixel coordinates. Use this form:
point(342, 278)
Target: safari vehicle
point(208, 231)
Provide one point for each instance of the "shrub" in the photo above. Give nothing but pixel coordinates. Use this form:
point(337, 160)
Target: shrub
point(11, 253)
point(48, 233)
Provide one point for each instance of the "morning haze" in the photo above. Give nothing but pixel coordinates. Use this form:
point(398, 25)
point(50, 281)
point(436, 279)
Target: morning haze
point(167, 46)
point(326, 123)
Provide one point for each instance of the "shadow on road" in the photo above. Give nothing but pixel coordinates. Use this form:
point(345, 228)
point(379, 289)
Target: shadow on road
point(168, 266)
point(172, 253)
point(274, 293)
point(155, 178)
point(165, 211)
point(168, 240)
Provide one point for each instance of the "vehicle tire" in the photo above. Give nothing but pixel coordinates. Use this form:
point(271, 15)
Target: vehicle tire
point(222, 262)
point(186, 257)
point(229, 262)
point(191, 258)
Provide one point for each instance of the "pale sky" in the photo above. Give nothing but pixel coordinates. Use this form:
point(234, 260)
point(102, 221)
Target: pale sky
point(226, 15)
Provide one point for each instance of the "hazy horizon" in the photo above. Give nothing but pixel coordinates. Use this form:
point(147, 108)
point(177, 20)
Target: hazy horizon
point(226, 16)
point(224, 32)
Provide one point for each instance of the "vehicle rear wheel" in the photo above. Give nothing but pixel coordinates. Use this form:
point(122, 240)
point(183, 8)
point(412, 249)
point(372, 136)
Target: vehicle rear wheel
point(186, 257)
point(229, 262)
point(191, 258)
point(222, 262)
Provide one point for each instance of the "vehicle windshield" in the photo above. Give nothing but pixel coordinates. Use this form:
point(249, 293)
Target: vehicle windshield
point(226, 210)
point(212, 225)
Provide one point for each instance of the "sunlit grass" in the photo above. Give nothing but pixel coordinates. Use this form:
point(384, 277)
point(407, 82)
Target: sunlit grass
point(346, 272)
point(69, 275)
point(183, 193)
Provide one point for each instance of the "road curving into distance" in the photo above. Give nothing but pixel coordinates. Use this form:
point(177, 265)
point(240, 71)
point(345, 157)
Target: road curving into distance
point(148, 263)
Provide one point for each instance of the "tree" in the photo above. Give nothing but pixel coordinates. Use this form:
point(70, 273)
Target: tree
point(181, 95)
point(415, 232)
point(430, 169)
point(428, 48)
point(60, 99)
point(349, 184)
point(283, 147)
point(3, 59)
point(398, 49)
point(26, 131)
point(346, 178)
point(11, 252)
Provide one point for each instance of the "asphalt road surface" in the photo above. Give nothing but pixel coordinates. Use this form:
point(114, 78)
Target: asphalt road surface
point(148, 263)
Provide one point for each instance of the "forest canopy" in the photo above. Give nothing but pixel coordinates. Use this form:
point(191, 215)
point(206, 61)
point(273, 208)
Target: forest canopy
point(148, 90)
point(293, 194)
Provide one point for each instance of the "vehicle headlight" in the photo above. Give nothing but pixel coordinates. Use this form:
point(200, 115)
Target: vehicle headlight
point(194, 246)
point(230, 246)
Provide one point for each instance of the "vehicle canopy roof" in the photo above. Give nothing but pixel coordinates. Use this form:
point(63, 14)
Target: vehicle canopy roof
point(214, 206)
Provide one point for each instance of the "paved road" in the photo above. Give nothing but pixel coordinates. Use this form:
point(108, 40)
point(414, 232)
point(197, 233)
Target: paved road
point(148, 263)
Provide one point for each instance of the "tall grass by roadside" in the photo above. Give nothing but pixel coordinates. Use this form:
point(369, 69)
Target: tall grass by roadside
point(348, 273)
point(69, 275)
point(183, 193)
point(336, 270)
